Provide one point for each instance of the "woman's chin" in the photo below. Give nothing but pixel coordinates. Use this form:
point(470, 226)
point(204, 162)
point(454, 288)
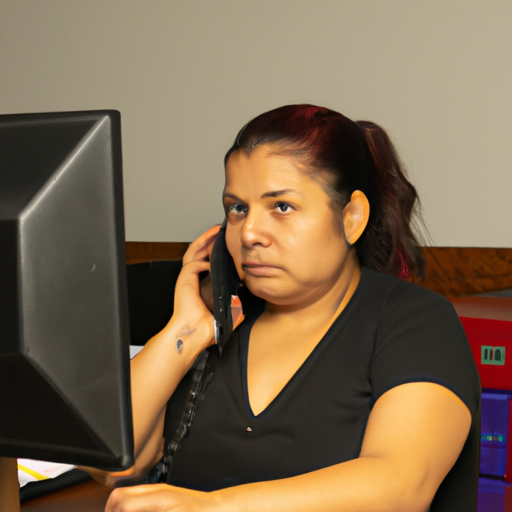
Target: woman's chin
point(268, 292)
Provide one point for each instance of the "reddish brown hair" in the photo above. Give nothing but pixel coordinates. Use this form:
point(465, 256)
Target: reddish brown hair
point(348, 156)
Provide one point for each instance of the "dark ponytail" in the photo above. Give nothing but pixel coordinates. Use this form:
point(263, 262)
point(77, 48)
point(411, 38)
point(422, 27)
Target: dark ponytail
point(347, 156)
point(389, 244)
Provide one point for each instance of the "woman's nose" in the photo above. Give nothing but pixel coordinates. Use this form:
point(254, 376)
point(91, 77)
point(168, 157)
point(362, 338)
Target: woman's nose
point(255, 230)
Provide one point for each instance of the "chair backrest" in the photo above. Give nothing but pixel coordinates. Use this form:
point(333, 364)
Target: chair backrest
point(150, 297)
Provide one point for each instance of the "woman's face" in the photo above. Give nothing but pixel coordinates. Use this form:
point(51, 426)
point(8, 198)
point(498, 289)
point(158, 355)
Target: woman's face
point(288, 245)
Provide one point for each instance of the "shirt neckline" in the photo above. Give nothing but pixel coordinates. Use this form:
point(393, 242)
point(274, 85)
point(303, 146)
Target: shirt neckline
point(244, 336)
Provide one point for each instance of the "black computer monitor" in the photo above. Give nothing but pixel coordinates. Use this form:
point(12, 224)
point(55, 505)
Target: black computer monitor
point(64, 330)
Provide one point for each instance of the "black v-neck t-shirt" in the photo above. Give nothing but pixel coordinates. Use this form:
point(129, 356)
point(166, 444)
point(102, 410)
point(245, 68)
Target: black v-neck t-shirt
point(391, 332)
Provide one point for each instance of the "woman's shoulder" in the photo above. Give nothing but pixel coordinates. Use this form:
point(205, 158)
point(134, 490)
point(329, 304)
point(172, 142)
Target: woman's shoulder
point(417, 336)
point(398, 290)
point(392, 304)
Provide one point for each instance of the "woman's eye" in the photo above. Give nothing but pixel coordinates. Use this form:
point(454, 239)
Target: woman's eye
point(237, 209)
point(283, 207)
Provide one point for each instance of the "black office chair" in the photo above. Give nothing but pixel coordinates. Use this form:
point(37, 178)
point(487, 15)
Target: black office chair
point(150, 297)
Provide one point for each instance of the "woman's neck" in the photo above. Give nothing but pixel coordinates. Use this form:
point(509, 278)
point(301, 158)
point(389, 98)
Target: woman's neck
point(322, 311)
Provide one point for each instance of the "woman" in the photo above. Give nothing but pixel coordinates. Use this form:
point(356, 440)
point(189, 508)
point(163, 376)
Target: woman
point(350, 389)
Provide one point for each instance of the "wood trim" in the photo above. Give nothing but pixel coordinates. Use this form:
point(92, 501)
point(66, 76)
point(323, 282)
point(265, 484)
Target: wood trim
point(451, 271)
point(458, 271)
point(139, 252)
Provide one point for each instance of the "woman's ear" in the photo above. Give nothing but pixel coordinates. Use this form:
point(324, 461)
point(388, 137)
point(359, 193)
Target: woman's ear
point(355, 216)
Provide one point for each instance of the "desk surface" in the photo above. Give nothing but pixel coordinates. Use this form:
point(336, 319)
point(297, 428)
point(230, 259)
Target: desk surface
point(87, 497)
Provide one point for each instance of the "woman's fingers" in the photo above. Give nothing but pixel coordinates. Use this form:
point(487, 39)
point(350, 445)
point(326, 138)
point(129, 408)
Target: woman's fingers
point(159, 498)
point(187, 291)
point(108, 478)
point(190, 272)
point(201, 248)
point(200, 251)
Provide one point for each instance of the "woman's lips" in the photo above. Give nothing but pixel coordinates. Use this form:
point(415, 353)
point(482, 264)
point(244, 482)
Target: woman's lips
point(257, 269)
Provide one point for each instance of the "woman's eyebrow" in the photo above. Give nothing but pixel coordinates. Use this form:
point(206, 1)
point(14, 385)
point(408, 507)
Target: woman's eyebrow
point(277, 193)
point(226, 195)
point(272, 193)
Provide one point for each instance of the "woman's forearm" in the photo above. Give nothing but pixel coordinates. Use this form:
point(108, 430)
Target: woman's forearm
point(155, 373)
point(364, 484)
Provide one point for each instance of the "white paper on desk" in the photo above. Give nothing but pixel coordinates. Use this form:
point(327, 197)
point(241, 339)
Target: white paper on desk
point(36, 470)
point(134, 350)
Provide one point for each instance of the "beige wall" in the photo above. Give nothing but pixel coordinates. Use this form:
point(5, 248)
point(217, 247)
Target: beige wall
point(186, 74)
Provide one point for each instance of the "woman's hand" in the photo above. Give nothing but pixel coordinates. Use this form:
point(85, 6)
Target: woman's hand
point(108, 478)
point(192, 316)
point(160, 498)
point(199, 253)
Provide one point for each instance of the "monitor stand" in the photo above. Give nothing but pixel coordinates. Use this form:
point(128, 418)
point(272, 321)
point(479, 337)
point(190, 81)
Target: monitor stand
point(9, 485)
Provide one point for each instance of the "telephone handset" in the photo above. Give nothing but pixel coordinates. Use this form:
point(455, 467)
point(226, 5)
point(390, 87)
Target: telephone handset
point(227, 313)
point(226, 286)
